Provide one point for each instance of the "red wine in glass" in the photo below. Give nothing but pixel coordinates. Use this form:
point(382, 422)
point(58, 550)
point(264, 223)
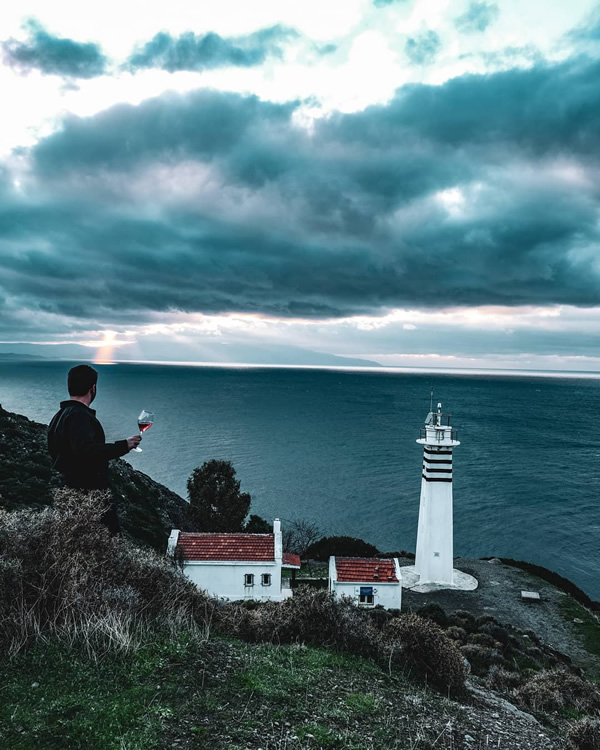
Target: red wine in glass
point(145, 421)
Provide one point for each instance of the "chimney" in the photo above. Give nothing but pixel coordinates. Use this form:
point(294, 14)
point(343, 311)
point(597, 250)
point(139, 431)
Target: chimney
point(172, 543)
point(278, 542)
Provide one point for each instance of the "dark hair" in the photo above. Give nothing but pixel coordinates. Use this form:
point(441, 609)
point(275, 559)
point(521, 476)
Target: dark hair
point(81, 378)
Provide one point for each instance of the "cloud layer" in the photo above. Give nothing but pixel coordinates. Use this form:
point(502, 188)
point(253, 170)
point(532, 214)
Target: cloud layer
point(483, 191)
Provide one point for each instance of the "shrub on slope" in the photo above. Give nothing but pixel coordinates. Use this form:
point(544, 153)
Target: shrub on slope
point(316, 617)
point(62, 574)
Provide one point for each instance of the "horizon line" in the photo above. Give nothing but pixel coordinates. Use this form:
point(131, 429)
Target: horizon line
point(381, 368)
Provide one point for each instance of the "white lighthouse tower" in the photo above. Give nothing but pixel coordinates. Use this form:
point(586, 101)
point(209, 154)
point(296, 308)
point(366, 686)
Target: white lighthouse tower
point(435, 542)
point(433, 568)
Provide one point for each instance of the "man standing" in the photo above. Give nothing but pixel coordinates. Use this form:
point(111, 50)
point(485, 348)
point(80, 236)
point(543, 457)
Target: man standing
point(77, 443)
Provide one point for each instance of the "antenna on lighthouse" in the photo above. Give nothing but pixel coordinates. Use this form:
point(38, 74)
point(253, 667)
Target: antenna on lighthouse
point(429, 419)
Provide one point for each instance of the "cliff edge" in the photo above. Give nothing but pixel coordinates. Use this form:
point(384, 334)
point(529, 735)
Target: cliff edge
point(147, 510)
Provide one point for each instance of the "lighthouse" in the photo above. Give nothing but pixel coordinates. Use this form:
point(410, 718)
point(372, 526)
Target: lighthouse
point(434, 560)
point(435, 548)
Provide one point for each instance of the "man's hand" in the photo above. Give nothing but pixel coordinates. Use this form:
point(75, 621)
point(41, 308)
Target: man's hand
point(133, 442)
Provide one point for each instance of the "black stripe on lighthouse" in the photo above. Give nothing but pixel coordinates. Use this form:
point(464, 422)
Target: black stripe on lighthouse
point(437, 453)
point(437, 460)
point(437, 479)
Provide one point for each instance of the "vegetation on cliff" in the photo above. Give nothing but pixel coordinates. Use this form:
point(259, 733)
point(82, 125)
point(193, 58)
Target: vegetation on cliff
point(147, 510)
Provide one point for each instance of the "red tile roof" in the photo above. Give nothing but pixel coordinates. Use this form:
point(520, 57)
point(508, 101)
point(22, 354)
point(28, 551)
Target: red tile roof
point(291, 560)
point(363, 569)
point(235, 547)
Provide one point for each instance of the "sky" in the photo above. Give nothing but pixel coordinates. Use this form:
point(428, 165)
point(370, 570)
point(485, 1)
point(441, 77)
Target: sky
point(404, 182)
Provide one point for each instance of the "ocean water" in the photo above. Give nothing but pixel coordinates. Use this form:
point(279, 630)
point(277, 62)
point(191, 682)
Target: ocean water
point(338, 448)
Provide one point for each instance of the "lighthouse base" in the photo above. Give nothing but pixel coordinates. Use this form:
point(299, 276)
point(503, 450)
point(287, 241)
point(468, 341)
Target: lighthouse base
point(460, 582)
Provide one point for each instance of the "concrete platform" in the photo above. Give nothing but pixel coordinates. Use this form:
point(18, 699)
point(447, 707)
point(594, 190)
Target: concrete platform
point(462, 582)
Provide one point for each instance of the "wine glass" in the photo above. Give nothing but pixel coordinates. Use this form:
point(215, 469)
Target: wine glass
point(144, 423)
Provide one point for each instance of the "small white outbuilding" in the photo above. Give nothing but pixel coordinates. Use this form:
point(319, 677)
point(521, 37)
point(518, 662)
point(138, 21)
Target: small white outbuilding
point(235, 566)
point(369, 581)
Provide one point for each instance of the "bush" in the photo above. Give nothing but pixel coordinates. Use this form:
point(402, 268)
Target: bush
point(434, 613)
point(423, 644)
point(63, 574)
point(456, 633)
point(480, 658)
point(340, 546)
point(482, 639)
point(500, 679)
point(497, 632)
point(584, 735)
point(464, 620)
point(311, 616)
point(378, 616)
point(556, 689)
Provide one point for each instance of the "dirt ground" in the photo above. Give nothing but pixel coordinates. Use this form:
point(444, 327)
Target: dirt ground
point(499, 595)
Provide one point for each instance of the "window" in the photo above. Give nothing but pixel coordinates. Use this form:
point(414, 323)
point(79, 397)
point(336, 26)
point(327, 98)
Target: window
point(266, 579)
point(249, 579)
point(366, 596)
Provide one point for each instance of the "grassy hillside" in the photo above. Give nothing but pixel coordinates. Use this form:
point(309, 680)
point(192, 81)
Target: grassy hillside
point(148, 510)
point(106, 645)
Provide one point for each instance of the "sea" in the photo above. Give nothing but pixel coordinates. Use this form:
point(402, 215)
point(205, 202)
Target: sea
point(337, 447)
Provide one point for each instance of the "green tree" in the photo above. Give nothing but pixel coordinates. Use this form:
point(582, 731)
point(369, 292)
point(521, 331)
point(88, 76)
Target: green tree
point(216, 503)
point(257, 525)
point(342, 546)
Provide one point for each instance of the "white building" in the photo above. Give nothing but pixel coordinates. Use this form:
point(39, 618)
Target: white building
point(434, 560)
point(368, 580)
point(235, 566)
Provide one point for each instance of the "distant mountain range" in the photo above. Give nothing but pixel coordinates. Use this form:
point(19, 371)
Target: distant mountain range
point(14, 355)
point(216, 353)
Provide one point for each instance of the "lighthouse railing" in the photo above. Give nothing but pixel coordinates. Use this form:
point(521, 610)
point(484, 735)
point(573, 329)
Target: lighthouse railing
point(440, 435)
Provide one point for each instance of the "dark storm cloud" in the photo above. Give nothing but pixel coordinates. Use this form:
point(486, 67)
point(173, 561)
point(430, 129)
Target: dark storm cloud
point(54, 55)
point(205, 124)
point(477, 17)
point(202, 52)
point(450, 195)
point(424, 48)
point(487, 112)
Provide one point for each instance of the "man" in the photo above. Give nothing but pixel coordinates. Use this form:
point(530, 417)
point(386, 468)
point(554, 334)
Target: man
point(77, 443)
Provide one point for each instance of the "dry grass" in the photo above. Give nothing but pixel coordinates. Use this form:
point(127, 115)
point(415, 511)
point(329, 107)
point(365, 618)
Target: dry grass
point(423, 644)
point(557, 689)
point(62, 574)
point(584, 735)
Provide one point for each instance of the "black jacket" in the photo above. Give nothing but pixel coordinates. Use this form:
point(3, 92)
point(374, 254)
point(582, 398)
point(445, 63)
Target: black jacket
point(78, 447)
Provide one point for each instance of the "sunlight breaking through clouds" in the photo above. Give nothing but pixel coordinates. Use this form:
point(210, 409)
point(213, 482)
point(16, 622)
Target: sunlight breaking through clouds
point(364, 181)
